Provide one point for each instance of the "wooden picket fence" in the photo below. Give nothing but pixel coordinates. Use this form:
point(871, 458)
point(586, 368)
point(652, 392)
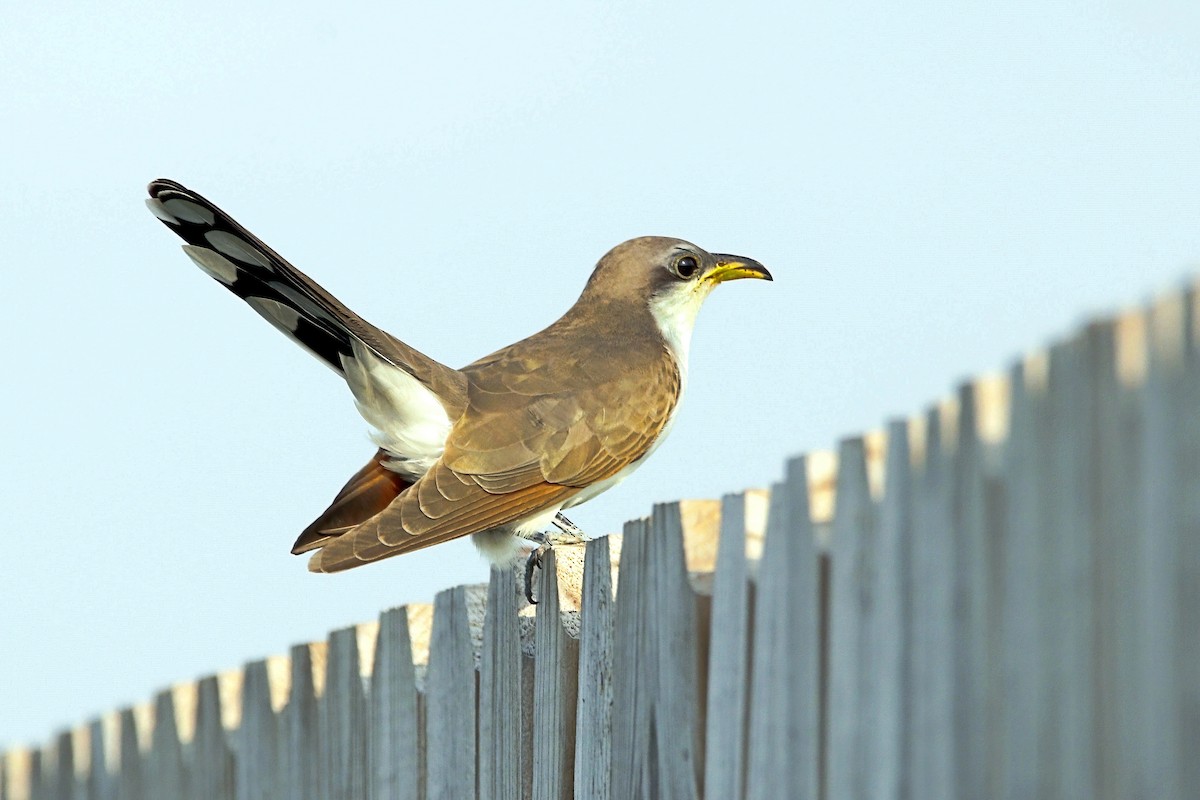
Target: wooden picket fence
point(998, 599)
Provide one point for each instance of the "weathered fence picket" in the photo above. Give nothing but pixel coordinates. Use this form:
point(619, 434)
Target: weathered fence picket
point(594, 714)
point(501, 756)
point(931, 659)
point(782, 729)
point(729, 657)
point(451, 710)
point(556, 670)
point(996, 599)
point(396, 747)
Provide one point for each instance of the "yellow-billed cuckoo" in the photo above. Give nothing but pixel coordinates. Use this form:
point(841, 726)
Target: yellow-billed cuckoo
point(498, 448)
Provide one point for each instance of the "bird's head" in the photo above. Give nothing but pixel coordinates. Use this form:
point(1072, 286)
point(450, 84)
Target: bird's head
point(671, 277)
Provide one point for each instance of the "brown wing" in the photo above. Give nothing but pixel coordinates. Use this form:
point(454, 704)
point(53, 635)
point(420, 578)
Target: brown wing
point(369, 491)
point(536, 430)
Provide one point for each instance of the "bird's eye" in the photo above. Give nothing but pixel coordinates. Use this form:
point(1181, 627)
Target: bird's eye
point(686, 267)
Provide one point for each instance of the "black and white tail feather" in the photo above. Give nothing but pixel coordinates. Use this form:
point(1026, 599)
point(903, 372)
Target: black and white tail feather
point(280, 293)
point(410, 399)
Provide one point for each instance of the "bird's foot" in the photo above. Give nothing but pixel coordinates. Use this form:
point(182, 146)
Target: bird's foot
point(567, 533)
point(533, 562)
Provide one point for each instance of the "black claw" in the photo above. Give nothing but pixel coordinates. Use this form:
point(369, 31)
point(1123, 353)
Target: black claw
point(534, 561)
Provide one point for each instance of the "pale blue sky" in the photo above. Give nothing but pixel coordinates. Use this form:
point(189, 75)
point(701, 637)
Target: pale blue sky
point(936, 187)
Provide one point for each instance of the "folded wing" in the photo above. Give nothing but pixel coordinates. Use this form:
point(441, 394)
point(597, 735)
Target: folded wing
point(516, 454)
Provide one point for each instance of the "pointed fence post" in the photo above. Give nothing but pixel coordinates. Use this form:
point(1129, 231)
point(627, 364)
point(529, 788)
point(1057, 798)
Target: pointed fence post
point(300, 723)
point(633, 668)
point(594, 717)
point(678, 710)
point(396, 763)
point(784, 690)
point(344, 717)
point(501, 754)
point(167, 774)
point(728, 657)
point(556, 667)
point(451, 691)
point(850, 610)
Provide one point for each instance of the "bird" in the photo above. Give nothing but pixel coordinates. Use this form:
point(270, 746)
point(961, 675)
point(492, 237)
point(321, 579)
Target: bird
point(498, 449)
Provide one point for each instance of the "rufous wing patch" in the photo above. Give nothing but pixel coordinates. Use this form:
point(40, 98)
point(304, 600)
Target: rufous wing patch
point(369, 491)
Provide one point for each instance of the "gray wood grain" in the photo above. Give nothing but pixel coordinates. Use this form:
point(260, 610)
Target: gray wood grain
point(99, 782)
point(1024, 690)
point(1066, 564)
point(556, 670)
point(932, 580)
point(451, 708)
point(131, 781)
point(300, 724)
point(1186, 546)
point(632, 668)
point(972, 526)
point(888, 627)
point(678, 711)
point(59, 780)
point(36, 788)
point(501, 754)
point(1113, 494)
point(212, 773)
point(41, 772)
point(397, 764)
point(728, 657)
point(1167, 447)
point(257, 738)
point(167, 770)
point(850, 609)
point(783, 732)
point(1012, 620)
point(594, 715)
point(344, 720)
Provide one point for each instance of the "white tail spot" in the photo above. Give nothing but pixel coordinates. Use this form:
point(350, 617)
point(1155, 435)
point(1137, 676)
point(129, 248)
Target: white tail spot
point(216, 265)
point(156, 208)
point(188, 211)
point(234, 247)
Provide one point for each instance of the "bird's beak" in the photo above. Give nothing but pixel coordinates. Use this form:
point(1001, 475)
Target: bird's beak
point(731, 268)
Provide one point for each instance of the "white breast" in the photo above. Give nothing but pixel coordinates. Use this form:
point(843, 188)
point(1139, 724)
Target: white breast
point(675, 313)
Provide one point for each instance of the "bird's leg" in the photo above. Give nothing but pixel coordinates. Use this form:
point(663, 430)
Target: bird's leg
point(568, 533)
